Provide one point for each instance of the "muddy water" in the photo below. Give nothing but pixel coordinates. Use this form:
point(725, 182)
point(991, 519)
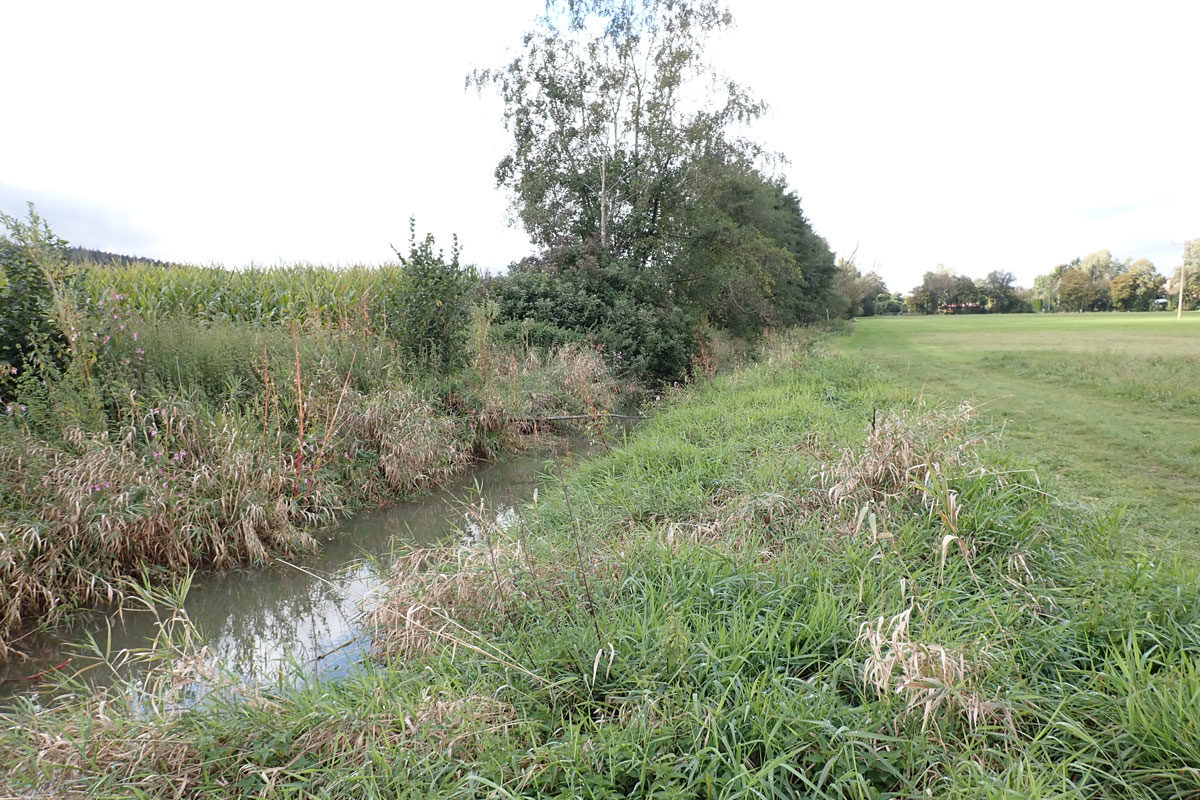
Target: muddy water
point(262, 623)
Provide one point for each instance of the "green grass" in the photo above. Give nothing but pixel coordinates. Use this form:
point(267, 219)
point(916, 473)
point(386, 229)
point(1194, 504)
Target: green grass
point(755, 597)
point(1107, 405)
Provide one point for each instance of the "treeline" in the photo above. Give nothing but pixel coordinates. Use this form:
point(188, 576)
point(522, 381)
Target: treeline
point(1100, 282)
point(1096, 282)
point(87, 257)
point(658, 224)
point(944, 291)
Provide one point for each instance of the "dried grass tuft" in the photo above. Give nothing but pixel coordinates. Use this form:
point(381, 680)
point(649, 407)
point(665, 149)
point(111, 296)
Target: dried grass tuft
point(433, 594)
point(903, 451)
point(418, 447)
point(926, 674)
point(904, 454)
point(124, 731)
point(452, 596)
point(92, 513)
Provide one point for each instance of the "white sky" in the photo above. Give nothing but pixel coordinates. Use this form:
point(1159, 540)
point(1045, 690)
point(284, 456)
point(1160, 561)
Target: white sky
point(1012, 135)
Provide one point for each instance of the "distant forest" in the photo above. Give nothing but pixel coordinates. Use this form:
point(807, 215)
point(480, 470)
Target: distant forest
point(83, 255)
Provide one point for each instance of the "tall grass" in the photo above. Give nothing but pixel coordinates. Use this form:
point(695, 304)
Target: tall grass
point(804, 584)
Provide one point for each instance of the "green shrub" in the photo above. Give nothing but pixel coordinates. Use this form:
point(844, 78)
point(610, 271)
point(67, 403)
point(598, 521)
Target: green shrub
point(433, 327)
point(572, 294)
point(32, 260)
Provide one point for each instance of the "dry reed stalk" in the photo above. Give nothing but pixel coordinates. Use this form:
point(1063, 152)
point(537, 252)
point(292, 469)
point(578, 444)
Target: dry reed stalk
point(593, 611)
point(266, 387)
point(595, 415)
point(707, 368)
point(903, 456)
point(299, 416)
point(333, 418)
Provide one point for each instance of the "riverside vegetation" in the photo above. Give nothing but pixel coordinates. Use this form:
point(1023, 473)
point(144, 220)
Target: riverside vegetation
point(793, 581)
point(161, 419)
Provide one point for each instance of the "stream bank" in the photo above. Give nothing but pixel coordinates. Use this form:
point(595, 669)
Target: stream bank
point(262, 622)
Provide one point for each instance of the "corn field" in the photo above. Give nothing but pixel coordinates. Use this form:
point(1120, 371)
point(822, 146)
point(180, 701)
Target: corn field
point(362, 299)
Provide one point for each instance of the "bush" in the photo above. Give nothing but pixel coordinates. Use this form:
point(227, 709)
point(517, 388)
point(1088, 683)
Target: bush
point(572, 294)
point(433, 327)
point(32, 260)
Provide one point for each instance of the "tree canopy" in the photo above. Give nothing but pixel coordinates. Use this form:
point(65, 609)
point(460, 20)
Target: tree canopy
point(1137, 288)
point(628, 166)
point(1100, 282)
point(612, 108)
point(942, 289)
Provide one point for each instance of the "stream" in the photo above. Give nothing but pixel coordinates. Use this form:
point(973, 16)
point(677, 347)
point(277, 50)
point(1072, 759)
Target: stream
point(261, 622)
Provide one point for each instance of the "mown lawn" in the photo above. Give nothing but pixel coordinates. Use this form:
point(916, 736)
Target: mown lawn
point(1107, 405)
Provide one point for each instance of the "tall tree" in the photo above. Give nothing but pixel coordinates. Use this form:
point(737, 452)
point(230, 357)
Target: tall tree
point(999, 293)
point(1045, 287)
point(1189, 274)
point(1077, 290)
point(749, 256)
point(1137, 288)
point(1101, 266)
point(611, 106)
point(941, 288)
point(626, 168)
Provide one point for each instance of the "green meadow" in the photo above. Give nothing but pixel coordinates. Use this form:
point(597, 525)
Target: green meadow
point(1106, 405)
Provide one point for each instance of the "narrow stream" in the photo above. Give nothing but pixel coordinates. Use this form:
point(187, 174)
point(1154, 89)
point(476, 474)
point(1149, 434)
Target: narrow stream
point(260, 622)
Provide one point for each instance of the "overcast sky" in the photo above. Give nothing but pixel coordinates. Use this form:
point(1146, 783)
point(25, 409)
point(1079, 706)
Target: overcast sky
point(1012, 135)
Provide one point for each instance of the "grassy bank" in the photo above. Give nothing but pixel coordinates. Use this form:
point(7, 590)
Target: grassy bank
point(792, 582)
point(1107, 404)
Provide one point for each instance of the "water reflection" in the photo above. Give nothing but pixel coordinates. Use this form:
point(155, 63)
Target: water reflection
point(261, 623)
